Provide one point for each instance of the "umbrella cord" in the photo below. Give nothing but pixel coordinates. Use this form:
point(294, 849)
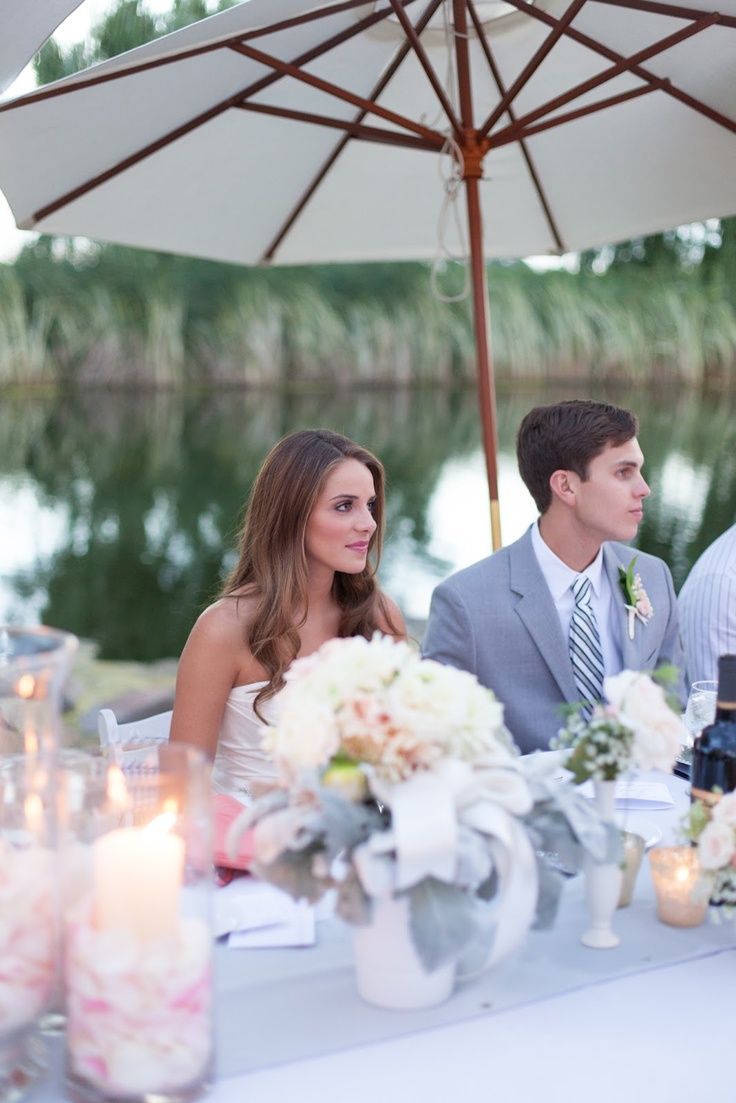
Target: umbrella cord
point(449, 212)
point(451, 182)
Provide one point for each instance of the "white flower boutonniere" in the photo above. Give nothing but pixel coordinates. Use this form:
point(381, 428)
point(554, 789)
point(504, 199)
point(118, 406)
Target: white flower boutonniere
point(638, 605)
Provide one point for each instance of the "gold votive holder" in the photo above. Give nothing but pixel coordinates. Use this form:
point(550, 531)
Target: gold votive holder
point(682, 896)
point(634, 846)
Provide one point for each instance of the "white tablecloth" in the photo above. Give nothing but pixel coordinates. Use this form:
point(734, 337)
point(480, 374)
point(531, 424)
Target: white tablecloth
point(556, 1022)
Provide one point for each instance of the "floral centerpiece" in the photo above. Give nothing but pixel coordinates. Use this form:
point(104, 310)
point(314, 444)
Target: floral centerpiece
point(399, 782)
point(712, 827)
point(635, 728)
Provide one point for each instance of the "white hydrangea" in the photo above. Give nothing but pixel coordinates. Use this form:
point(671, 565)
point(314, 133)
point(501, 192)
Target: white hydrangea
point(377, 701)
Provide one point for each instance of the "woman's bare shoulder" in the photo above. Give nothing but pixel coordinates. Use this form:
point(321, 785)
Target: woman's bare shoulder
point(392, 621)
point(225, 622)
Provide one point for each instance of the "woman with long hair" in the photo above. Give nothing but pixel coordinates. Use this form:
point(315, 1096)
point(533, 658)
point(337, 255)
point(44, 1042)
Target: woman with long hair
point(309, 551)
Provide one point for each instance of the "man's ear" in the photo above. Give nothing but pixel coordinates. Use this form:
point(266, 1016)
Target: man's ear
point(563, 485)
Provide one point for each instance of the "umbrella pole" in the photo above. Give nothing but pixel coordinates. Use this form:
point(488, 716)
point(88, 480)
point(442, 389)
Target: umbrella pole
point(482, 324)
point(474, 148)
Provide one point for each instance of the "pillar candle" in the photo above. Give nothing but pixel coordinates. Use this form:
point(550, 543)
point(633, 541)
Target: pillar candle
point(138, 875)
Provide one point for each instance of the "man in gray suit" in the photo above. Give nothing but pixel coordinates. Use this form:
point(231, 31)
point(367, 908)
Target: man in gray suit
point(507, 619)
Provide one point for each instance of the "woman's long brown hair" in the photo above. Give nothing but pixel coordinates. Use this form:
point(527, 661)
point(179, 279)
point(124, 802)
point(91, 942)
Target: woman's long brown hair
point(272, 564)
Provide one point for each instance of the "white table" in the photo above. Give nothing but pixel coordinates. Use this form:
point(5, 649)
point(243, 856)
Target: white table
point(626, 1024)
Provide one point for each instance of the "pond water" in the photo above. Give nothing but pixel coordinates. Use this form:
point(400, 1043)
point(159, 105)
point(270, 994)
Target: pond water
point(119, 510)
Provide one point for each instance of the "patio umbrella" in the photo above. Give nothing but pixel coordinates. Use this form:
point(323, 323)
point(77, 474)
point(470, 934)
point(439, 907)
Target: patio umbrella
point(292, 132)
point(24, 27)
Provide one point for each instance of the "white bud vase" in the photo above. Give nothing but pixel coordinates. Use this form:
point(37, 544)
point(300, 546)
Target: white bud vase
point(388, 970)
point(602, 880)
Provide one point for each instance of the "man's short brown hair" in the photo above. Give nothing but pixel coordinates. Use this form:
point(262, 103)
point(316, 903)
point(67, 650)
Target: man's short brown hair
point(566, 437)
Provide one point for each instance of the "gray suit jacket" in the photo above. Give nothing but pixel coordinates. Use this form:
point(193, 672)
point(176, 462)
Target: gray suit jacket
point(498, 620)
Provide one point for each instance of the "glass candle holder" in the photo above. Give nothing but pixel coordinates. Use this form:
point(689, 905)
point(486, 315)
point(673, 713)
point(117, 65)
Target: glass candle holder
point(28, 919)
point(634, 846)
point(34, 664)
point(682, 896)
point(138, 940)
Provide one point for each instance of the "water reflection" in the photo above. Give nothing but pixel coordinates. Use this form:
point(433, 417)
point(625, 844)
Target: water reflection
point(119, 511)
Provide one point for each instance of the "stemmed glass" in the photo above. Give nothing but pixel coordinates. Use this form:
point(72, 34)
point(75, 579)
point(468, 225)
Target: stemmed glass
point(700, 711)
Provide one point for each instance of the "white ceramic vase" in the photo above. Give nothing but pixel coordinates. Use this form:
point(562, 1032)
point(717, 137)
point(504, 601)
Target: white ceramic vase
point(388, 970)
point(602, 880)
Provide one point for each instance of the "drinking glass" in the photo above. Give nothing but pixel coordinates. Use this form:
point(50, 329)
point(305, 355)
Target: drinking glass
point(700, 710)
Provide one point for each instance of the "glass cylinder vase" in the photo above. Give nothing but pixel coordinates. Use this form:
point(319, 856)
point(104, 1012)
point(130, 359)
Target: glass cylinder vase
point(28, 919)
point(137, 929)
point(34, 665)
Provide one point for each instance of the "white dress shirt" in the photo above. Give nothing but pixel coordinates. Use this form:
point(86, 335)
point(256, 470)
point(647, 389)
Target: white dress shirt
point(559, 578)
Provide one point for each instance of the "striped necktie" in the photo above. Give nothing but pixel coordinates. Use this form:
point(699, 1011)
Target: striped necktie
point(586, 654)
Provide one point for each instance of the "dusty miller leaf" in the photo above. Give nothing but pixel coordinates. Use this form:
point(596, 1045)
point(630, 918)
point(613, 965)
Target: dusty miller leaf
point(443, 921)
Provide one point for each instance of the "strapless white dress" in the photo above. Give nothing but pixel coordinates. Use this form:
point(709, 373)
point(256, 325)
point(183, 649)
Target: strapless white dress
point(240, 759)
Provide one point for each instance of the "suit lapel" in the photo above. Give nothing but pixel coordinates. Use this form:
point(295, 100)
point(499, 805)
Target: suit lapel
point(537, 611)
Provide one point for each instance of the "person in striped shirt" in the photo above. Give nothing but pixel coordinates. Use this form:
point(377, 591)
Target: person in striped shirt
point(707, 608)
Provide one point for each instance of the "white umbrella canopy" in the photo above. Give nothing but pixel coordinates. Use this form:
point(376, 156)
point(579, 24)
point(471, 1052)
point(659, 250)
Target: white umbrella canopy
point(289, 132)
point(24, 27)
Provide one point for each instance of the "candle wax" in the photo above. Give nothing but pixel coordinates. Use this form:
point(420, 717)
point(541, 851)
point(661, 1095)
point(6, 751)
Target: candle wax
point(138, 876)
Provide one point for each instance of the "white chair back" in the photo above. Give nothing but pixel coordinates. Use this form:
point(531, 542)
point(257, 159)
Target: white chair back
point(134, 737)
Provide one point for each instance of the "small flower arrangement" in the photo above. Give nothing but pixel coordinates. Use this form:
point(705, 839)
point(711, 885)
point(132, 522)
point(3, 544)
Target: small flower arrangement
point(637, 600)
point(635, 728)
point(398, 778)
point(713, 829)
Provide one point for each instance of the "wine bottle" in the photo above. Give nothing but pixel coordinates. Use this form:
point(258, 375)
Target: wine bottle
point(713, 770)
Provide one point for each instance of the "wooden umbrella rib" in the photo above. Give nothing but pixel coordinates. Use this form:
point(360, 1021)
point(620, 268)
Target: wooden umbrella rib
point(651, 78)
point(185, 128)
point(316, 51)
point(511, 135)
point(559, 28)
point(128, 162)
point(309, 17)
point(376, 91)
point(353, 129)
point(531, 167)
point(286, 68)
point(674, 10)
point(622, 66)
point(59, 89)
point(426, 65)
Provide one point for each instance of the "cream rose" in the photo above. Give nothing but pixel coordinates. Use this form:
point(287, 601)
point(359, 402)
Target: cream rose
point(716, 845)
point(642, 706)
point(725, 810)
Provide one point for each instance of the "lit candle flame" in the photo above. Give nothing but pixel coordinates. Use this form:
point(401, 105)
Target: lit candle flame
point(163, 823)
point(33, 809)
point(117, 790)
point(26, 686)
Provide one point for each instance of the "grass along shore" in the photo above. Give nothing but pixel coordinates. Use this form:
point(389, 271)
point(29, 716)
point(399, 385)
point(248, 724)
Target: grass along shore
point(123, 317)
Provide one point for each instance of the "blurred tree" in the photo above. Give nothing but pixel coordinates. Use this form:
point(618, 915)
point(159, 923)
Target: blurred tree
point(682, 248)
point(128, 25)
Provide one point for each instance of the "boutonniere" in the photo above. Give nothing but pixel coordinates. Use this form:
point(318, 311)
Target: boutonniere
point(638, 605)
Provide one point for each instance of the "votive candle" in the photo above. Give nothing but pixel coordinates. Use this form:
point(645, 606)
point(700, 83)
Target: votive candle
point(682, 898)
